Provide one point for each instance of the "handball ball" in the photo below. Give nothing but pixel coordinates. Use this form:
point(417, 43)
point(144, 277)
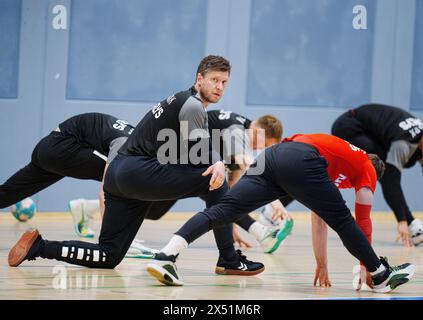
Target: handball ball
point(24, 210)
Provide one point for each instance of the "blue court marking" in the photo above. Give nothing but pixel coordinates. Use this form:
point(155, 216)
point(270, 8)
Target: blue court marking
point(367, 298)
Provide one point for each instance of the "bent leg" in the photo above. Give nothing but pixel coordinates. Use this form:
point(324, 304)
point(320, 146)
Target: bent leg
point(121, 221)
point(158, 209)
point(24, 183)
point(315, 190)
point(250, 193)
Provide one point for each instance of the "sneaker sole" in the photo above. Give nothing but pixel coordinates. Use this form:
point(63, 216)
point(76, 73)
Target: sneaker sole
point(418, 240)
point(397, 281)
point(281, 236)
point(163, 276)
point(18, 253)
point(233, 272)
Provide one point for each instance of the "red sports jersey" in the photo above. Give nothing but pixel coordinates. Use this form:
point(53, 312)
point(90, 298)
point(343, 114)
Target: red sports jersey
point(349, 166)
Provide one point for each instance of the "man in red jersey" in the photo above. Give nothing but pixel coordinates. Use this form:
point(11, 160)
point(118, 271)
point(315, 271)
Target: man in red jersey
point(294, 169)
point(348, 167)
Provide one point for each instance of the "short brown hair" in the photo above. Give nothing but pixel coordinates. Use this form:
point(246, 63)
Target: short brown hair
point(215, 63)
point(272, 126)
point(378, 164)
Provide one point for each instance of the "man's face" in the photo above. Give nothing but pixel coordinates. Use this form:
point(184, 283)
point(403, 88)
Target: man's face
point(212, 85)
point(258, 140)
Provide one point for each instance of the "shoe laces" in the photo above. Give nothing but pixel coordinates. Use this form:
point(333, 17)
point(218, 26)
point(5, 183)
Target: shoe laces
point(384, 261)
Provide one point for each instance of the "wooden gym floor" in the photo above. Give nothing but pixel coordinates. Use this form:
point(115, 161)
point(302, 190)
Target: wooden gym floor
point(289, 271)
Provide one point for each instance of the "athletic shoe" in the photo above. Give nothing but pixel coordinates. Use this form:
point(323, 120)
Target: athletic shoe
point(241, 266)
point(392, 277)
point(416, 231)
point(163, 268)
point(265, 217)
point(81, 219)
point(25, 249)
point(274, 237)
point(138, 250)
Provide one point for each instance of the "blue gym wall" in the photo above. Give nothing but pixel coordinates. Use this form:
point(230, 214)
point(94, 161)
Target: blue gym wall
point(300, 60)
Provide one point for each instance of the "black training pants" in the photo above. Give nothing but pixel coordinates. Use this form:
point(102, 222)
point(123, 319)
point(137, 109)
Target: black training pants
point(54, 157)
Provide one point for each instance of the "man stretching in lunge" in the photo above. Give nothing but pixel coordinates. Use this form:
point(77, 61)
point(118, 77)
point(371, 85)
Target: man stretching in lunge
point(299, 169)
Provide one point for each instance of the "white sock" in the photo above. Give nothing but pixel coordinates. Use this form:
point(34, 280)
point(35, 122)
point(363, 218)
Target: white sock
point(258, 230)
point(175, 246)
point(381, 268)
point(91, 206)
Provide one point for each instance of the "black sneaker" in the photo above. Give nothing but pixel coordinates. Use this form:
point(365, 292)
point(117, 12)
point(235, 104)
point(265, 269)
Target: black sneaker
point(241, 266)
point(392, 277)
point(163, 268)
point(27, 248)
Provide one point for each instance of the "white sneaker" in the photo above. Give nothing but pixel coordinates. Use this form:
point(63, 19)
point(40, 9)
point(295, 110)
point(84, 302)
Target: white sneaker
point(265, 217)
point(81, 220)
point(392, 277)
point(138, 250)
point(416, 231)
point(163, 268)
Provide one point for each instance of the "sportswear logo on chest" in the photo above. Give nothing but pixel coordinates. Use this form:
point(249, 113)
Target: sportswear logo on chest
point(170, 99)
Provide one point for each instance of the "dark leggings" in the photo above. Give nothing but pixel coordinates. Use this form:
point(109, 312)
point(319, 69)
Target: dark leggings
point(298, 170)
point(53, 158)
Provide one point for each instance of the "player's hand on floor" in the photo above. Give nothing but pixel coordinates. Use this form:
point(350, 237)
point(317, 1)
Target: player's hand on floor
point(364, 276)
point(404, 234)
point(238, 239)
point(322, 276)
point(217, 172)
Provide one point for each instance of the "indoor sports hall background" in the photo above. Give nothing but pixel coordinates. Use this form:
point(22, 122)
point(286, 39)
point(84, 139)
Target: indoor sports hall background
point(305, 61)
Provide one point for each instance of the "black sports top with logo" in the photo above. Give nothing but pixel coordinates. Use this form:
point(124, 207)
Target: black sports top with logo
point(171, 129)
point(395, 129)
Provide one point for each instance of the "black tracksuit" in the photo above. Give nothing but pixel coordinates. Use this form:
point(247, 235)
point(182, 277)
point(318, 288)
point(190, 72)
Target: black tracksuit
point(149, 169)
point(77, 151)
